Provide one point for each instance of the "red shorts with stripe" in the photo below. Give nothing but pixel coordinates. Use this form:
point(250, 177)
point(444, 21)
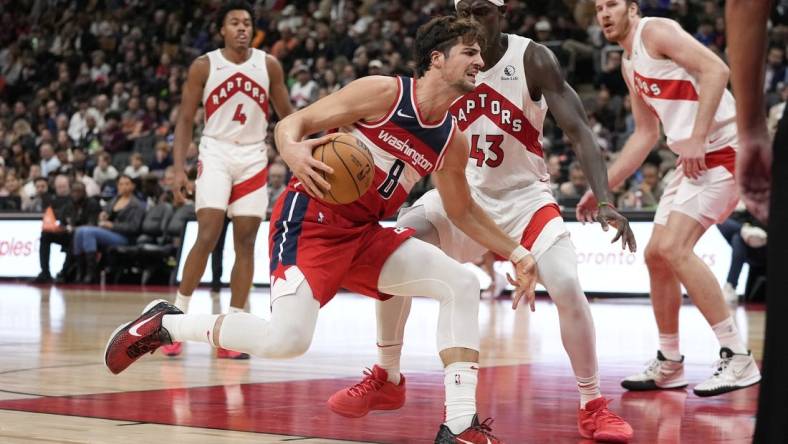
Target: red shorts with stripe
point(232, 178)
point(331, 252)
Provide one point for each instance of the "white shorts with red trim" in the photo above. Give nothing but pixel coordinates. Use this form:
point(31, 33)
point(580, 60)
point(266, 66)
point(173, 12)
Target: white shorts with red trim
point(534, 219)
point(232, 178)
point(710, 199)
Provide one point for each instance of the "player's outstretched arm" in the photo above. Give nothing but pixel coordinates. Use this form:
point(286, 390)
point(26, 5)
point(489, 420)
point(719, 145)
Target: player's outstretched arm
point(542, 66)
point(278, 94)
point(665, 38)
point(184, 127)
point(633, 154)
point(367, 98)
point(453, 188)
point(745, 23)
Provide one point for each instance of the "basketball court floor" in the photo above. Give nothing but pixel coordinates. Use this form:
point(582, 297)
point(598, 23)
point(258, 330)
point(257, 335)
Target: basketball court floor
point(54, 387)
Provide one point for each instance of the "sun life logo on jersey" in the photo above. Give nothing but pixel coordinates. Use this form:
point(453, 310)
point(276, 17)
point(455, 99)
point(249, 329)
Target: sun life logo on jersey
point(509, 73)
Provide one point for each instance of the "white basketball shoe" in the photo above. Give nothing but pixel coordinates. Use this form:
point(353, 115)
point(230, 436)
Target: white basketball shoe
point(734, 372)
point(660, 373)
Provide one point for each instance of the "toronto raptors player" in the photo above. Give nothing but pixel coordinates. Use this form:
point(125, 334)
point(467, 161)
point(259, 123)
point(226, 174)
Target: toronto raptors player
point(317, 248)
point(502, 121)
point(676, 81)
point(236, 85)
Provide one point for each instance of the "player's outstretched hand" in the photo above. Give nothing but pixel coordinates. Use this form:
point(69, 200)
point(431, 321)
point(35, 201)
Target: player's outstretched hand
point(298, 156)
point(525, 271)
point(586, 210)
point(692, 157)
point(607, 215)
point(754, 172)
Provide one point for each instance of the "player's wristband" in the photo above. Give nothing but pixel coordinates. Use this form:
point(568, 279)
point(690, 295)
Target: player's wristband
point(518, 254)
point(605, 204)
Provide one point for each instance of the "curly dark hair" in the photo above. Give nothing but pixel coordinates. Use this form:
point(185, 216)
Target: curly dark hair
point(440, 34)
point(233, 5)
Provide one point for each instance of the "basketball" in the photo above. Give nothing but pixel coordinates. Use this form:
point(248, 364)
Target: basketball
point(353, 168)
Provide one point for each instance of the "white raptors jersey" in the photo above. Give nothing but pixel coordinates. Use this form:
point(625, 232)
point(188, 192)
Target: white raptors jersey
point(672, 93)
point(235, 99)
point(503, 126)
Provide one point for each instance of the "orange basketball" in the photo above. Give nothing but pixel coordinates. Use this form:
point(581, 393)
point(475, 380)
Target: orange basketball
point(353, 167)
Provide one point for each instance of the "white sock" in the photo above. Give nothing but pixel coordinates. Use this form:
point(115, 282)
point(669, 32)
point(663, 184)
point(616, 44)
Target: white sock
point(460, 381)
point(588, 388)
point(193, 327)
point(182, 302)
point(232, 310)
point(669, 346)
point(388, 359)
point(728, 335)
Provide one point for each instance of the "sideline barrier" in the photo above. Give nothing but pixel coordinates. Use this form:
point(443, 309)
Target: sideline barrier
point(603, 267)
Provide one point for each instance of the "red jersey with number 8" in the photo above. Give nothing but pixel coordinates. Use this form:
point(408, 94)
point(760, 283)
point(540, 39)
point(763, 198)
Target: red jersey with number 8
point(235, 99)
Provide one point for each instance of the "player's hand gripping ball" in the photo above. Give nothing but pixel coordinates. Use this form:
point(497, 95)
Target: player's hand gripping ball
point(353, 167)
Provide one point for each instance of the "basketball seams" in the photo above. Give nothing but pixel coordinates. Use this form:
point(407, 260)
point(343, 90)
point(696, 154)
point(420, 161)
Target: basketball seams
point(365, 153)
point(350, 173)
point(323, 173)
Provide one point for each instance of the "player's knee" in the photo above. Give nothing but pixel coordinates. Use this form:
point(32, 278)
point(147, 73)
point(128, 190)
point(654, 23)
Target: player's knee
point(564, 289)
point(653, 255)
point(467, 287)
point(673, 252)
point(290, 342)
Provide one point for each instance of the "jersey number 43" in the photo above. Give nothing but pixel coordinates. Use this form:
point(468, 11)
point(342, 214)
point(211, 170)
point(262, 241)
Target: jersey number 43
point(492, 156)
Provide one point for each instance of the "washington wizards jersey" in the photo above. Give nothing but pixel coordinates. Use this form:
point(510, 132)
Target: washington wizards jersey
point(235, 99)
point(405, 148)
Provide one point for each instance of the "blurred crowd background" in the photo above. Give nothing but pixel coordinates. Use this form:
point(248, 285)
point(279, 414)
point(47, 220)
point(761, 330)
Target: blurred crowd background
point(89, 89)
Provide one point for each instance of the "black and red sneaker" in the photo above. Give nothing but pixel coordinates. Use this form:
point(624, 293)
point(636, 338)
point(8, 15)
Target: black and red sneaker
point(477, 433)
point(143, 335)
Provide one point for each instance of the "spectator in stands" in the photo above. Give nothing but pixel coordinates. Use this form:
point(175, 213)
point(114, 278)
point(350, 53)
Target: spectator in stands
point(277, 179)
point(77, 211)
point(113, 139)
point(651, 186)
point(775, 69)
point(49, 162)
point(92, 189)
point(570, 192)
point(610, 78)
point(162, 158)
point(29, 189)
point(747, 238)
point(104, 171)
point(42, 198)
point(304, 90)
point(136, 167)
point(119, 224)
point(11, 195)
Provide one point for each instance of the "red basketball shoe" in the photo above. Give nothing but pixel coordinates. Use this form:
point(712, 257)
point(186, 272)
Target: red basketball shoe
point(223, 353)
point(374, 392)
point(597, 422)
point(477, 433)
point(143, 335)
point(173, 349)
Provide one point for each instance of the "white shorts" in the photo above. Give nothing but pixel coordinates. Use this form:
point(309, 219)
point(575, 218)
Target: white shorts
point(710, 199)
point(516, 221)
point(232, 178)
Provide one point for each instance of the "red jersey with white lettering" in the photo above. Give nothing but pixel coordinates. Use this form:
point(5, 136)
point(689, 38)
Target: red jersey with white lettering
point(235, 99)
point(503, 126)
point(672, 94)
point(405, 148)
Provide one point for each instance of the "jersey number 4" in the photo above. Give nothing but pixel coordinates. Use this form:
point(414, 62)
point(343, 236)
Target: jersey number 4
point(239, 115)
point(495, 149)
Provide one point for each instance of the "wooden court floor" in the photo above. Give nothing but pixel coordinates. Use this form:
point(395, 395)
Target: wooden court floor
point(54, 387)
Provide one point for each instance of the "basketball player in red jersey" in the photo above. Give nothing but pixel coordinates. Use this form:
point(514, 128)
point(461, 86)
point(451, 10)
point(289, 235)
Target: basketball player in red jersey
point(318, 248)
point(502, 120)
point(235, 85)
point(676, 81)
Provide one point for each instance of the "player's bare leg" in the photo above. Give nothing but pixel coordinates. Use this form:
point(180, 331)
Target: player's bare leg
point(210, 224)
point(245, 230)
point(673, 245)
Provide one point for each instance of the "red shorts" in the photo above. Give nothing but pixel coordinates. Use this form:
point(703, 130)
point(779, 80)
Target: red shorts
point(331, 251)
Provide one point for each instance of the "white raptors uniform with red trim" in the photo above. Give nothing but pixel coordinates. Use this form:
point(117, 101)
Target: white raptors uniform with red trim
point(506, 168)
point(232, 171)
point(672, 95)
